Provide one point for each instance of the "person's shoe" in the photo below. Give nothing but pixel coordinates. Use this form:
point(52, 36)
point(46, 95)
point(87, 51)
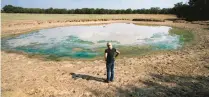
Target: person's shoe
point(111, 80)
point(107, 81)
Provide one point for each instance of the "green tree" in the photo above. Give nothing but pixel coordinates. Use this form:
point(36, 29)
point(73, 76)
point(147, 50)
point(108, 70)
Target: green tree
point(194, 10)
point(8, 9)
point(49, 10)
point(128, 11)
point(154, 10)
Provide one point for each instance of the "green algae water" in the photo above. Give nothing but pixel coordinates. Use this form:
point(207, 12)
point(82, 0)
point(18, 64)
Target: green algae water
point(90, 41)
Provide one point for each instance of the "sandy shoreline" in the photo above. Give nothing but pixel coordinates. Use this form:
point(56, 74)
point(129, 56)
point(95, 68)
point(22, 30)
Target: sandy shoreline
point(183, 72)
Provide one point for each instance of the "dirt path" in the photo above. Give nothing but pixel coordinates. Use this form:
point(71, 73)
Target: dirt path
point(177, 73)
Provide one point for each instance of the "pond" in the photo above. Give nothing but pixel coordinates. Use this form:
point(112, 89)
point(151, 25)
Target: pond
point(89, 41)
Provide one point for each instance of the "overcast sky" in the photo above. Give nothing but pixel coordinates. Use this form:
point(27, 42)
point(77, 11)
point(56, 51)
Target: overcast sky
point(107, 4)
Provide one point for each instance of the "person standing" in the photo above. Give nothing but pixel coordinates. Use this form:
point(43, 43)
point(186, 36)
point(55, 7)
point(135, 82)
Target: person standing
point(110, 55)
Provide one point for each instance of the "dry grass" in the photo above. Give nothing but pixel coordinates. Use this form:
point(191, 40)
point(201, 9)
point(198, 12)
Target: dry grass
point(11, 17)
point(19, 23)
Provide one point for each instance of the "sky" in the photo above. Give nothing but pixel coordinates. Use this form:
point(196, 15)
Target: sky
point(107, 4)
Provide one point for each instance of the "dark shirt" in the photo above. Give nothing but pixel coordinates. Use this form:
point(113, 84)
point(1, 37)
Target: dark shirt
point(110, 54)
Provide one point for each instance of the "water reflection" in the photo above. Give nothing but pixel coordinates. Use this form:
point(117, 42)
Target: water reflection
point(89, 41)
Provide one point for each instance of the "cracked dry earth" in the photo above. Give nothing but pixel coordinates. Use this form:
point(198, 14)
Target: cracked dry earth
point(178, 73)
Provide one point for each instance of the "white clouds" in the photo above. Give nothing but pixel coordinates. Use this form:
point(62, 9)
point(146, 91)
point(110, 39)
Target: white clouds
point(115, 31)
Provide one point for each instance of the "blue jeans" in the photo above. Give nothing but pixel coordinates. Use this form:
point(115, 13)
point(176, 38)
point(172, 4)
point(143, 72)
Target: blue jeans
point(110, 70)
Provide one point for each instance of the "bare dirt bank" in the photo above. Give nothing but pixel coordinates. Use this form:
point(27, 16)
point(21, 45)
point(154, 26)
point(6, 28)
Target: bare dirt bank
point(183, 72)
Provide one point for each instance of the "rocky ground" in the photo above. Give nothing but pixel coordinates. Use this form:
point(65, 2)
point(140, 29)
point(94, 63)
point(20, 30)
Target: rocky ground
point(178, 73)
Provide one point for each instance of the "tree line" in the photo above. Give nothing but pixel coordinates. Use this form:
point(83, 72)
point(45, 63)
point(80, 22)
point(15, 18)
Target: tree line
point(193, 10)
point(153, 10)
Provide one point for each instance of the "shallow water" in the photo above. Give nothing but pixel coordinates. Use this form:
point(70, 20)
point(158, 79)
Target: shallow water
point(90, 41)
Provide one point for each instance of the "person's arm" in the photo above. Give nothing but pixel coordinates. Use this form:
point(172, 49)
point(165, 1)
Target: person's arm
point(105, 55)
point(117, 53)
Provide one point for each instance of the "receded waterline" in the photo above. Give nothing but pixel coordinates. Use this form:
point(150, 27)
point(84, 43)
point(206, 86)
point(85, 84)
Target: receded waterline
point(90, 41)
